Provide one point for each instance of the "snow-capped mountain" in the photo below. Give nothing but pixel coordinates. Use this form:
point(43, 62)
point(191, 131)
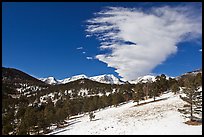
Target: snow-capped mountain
point(50, 80)
point(144, 79)
point(195, 72)
point(67, 80)
point(107, 78)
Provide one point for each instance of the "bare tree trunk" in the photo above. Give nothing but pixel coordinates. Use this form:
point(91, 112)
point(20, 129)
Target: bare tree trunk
point(191, 107)
point(191, 118)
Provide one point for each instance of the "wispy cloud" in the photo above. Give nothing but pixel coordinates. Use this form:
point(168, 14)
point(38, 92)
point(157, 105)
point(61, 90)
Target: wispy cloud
point(140, 40)
point(89, 58)
point(88, 36)
point(84, 52)
point(79, 48)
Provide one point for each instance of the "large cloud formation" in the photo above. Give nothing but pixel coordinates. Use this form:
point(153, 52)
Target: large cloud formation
point(139, 40)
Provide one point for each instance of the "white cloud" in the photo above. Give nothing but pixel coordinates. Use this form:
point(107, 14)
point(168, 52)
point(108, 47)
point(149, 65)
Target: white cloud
point(88, 36)
point(200, 50)
point(89, 58)
point(84, 52)
point(155, 33)
point(80, 48)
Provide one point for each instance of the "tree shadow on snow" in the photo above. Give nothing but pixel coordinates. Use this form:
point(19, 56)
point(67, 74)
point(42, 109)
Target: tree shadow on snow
point(151, 102)
point(70, 123)
point(96, 119)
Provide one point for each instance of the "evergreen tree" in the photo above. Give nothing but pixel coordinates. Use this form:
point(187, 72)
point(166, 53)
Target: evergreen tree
point(66, 109)
point(198, 79)
point(171, 82)
point(175, 88)
point(162, 84)
point(91, 116)
point(7, 128)
point(49, 114)
point(137, 93)
point(59, 116)
point(193, 97)
point(41, 123)
point(23, 128)
point(30, 118)
point(154, 92)
point(146, 89)
point(115, 99)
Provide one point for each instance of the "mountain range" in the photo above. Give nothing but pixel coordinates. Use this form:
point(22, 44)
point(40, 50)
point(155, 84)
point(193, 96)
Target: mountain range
point(25, 97)
point(106, 78)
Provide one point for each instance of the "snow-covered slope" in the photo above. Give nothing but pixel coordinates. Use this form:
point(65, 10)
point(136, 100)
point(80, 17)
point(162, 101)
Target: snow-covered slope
point(195, 72)
point(50, 80)
point(144, 79)
point(155, 118)
point(77, 77)
point(107, 78)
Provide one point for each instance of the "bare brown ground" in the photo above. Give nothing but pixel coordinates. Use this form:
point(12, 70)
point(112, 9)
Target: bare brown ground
point(194, 123)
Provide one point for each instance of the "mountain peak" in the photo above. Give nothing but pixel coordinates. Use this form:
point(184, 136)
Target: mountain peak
point(73, 78)
point(107, 78)
point(49, 80)
point(144, 79)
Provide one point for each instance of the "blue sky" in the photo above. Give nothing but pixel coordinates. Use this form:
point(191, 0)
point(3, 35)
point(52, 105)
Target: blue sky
point(44, 39)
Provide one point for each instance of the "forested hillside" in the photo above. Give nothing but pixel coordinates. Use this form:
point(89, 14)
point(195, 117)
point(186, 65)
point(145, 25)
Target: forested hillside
point(30, 106)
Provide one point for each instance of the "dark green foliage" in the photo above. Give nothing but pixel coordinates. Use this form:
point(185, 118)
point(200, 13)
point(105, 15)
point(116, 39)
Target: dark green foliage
point(175, 88)
point(91, 116)
point(162, 83)
point(138, 92)
point(171, 82)
point(7, 128)
point(23, 128)
point(193, 96)
point(117, 98)
point(154, 90)
point(34, 116)
point(14, 75)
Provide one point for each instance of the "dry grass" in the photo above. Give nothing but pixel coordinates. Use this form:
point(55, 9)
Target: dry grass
point(194, 123)
point(150, 102)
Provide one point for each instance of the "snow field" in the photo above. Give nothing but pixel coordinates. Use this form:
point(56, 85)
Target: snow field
point(155, 118)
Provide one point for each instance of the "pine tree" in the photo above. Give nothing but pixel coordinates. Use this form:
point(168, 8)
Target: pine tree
point(193, 97)
point(146, 89)
point(49, 114)
point(41, 123)
point(29, 118)
point(66, 109)
point(175, 88)
point(171, 82)
point(58, 116)
point(154, 90)
point(91, 116)
point(23, 128)
point(162, 84)
point(137, 93)
point(136, 97)
point(115, 99)
point(7, 128)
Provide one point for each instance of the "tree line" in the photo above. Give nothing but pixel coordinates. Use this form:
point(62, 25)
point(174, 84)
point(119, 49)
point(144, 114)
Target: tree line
point(19, 117)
